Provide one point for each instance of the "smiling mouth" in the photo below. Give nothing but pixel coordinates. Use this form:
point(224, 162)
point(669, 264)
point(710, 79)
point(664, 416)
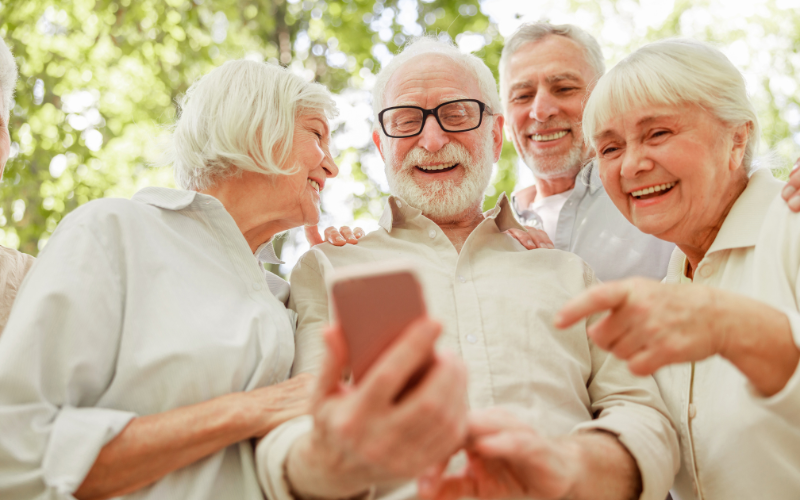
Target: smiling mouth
point(435, 169)
point(653, 191)
point(314, 184)
point(549, 137)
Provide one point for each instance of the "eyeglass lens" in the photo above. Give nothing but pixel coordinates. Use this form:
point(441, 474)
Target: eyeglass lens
point(454, 117)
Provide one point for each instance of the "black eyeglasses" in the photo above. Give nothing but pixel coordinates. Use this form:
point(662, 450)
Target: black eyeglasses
point(462, 115)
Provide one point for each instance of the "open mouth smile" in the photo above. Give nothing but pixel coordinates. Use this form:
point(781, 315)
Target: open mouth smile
point(435, 169)
point(549, 137)
point(653, 191)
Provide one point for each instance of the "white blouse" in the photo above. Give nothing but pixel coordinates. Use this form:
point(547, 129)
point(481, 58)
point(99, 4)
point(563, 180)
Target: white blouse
point(136, 307)
point(735, 443)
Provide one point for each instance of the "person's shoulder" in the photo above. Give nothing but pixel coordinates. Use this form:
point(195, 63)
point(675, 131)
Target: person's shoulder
point(105, 210)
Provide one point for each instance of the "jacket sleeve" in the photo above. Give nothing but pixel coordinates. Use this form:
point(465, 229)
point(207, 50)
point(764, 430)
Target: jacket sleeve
point(632, 409)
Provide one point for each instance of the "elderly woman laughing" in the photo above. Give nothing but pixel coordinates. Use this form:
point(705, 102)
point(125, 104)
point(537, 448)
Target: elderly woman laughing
point(146, 349)
point(675, 136)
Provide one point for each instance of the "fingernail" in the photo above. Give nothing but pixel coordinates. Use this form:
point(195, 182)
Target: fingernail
point(788, 190)
point(551, 247)
point(794, 203)
point(530, 243)
point(340, 239)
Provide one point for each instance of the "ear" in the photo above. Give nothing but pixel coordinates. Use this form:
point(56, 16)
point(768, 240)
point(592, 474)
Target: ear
point(376, 138)
point(741, 134)
point(497, 136)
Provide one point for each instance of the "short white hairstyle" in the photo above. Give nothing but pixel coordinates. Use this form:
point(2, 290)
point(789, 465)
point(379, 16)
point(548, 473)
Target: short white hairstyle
point(240, 116)
point(428, 45)
point(8, 78)
point(533, 32)
point(674, 72)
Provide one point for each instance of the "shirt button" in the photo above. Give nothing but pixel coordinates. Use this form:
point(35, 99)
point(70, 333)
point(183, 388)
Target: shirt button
point(471, 338)
point(398, 203)
point(462, 279)
point(706, 271)
point(256, 286)
point(432, 233)
point(692, 410)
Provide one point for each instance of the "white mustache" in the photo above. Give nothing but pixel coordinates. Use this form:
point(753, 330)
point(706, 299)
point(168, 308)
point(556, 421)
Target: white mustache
point(450, 153)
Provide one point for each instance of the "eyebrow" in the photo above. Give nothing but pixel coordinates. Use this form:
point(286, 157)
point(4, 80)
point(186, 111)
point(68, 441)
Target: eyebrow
point(324, 125)
point(642, 122)
point(567, 75)
point(442, 100)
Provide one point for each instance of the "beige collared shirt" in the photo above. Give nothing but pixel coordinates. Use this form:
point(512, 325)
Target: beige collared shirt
point(496, 302)
point(13, 268)
point(734, 443)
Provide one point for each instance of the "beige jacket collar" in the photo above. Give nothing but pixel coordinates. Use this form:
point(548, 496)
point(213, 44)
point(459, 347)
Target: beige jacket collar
point(397, 212)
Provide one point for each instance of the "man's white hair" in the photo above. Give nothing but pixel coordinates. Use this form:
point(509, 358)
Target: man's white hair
point(8, 78)
point(674, 72)
point(533, 32)
point(240, 116)
point(425, 45)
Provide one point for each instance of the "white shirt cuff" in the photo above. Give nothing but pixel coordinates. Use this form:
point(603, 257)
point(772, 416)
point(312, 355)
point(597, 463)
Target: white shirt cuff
point(77, 437)
point(271, 455)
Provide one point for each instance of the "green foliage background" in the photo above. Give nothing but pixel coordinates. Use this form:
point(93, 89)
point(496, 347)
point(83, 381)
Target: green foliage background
point(99, 79)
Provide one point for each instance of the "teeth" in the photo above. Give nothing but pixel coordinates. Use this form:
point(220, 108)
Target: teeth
point(653, 189)
point(436, 167)
point(314, 184)
point(549, 137)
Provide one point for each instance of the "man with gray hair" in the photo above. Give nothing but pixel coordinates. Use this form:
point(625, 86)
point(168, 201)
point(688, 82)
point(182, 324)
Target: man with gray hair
point(14, 265)
point(595, 430)
point(546, 74)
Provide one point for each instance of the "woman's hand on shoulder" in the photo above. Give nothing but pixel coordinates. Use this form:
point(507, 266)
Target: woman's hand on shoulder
point(791, 192)
point(531, 238)
point(341, 237)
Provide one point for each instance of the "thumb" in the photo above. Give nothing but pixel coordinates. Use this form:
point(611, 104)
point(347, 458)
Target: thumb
point(312, 235)
point(333, 364)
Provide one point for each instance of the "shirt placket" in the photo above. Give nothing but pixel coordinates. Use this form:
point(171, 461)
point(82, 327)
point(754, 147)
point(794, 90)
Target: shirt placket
point(567, 217)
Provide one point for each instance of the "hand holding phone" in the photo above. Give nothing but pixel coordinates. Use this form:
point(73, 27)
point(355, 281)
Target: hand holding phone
point(374, 304)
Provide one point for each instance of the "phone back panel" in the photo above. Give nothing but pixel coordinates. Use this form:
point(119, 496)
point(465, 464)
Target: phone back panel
point(373, 311)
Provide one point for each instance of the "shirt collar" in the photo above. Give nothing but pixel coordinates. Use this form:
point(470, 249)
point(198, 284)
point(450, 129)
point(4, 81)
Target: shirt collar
point(170, 199)
point(593, 173)
point(743, 223)
point(397, 212)
point(265, 253)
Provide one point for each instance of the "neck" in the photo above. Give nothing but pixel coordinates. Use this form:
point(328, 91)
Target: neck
point(555, 185)
point(257, 226)
point(458, 228)
point(696, 249)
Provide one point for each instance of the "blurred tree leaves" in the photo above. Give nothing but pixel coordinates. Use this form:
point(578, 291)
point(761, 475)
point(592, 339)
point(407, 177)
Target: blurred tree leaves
point(98, 79)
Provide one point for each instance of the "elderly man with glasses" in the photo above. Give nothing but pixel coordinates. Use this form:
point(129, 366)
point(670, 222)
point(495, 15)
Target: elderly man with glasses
point(593, 430)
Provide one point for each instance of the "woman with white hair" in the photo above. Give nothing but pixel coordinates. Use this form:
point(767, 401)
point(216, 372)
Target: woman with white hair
point(675, 136)
point(13, 264)
point(148, 347)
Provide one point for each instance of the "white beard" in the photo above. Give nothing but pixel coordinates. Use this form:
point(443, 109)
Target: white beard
point(552, 166)
point(442, 200)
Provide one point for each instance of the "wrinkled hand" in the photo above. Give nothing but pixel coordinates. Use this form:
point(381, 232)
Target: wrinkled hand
point(650, 324)
point(506, 459)
point(364, 435)
point(338, 238)
point(531, 238)
point(791, 192)
point(280, 402)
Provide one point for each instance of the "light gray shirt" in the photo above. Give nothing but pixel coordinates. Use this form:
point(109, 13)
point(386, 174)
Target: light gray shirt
point(136, 307)
point(590, 226)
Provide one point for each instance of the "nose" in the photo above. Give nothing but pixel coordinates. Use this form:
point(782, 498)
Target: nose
point(331, 170)
point(543, 106)
point(432, 138)
point(635, 162)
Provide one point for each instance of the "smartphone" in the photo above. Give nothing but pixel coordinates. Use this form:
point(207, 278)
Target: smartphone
point(374, 303)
